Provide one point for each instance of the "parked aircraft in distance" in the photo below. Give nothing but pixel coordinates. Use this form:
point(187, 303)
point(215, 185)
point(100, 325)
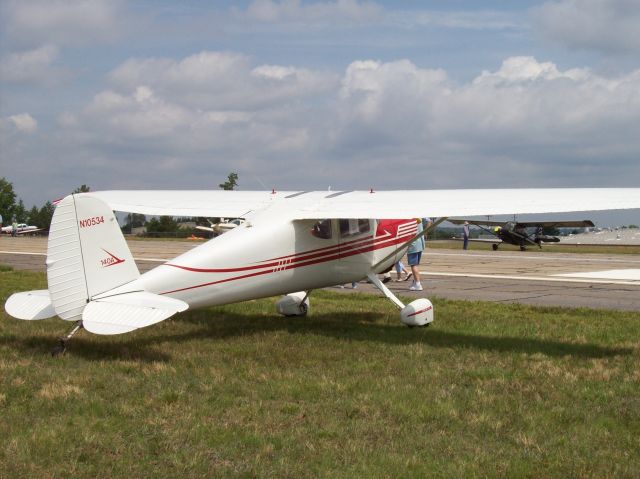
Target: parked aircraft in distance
point(519, 233)
point(23, 228)
point(290, 243)
point(222, 226)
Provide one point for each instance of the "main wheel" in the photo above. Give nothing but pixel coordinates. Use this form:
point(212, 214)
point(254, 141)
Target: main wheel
point(304, 309)
point(59, 349)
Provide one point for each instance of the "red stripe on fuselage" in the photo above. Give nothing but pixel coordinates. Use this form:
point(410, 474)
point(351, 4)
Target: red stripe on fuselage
point(385, 243)
point(326, 248)
point(277, 262)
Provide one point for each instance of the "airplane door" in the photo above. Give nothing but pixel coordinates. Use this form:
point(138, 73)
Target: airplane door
point(356, 243)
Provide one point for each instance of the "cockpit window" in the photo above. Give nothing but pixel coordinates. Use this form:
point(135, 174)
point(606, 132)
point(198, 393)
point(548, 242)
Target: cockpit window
point(351, 227)
point(322, 229)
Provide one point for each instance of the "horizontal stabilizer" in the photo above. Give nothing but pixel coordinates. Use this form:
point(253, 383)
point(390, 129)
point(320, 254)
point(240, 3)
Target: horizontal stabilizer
point(125, 312)
point(30, 305)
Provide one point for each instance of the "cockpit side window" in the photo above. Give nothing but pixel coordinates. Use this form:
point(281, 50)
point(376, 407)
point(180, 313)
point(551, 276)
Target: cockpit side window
point(351, 227)
point(322, 229)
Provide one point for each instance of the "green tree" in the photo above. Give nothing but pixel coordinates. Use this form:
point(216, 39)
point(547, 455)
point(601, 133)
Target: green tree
point(20, 212)
point(134, 220)
point(44, 215)
point(81, 189)
point(7, 200)
point(32, 216)
point(166, 224)
point(231, 183)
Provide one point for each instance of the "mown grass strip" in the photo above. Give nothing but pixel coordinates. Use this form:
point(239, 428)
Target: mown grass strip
point(487, 390)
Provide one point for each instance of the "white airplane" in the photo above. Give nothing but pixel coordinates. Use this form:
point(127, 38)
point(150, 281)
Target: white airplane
point(22, 228)
point(222, 226)
point(290, 243)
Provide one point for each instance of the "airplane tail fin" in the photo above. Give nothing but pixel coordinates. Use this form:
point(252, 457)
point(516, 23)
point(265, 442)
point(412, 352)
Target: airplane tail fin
point(88, 264)
point(86, 256)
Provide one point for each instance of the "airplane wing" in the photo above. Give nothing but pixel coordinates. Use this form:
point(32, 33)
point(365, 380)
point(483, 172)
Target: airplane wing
point(456, 221)
point(378, 205)
point(479, 240)
point(559, 224)
point(24, 232)
point(525, 224)
point(205, 203)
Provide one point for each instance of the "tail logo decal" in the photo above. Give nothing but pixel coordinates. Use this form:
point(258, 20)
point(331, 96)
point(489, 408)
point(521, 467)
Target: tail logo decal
point(111, 260)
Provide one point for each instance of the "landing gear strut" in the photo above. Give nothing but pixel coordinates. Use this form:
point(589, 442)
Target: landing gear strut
point(62, 342)
point(416, 313)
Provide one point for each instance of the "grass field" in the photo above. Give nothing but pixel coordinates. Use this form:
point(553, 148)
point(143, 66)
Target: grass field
point(238, 391)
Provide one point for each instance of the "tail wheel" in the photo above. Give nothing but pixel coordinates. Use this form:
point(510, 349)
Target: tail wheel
point(495, 247)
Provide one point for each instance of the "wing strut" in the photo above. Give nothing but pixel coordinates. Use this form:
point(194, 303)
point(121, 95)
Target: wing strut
point(419, 235)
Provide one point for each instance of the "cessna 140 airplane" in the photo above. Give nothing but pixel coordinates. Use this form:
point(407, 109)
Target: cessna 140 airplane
point(290, 243)
point(515, 232)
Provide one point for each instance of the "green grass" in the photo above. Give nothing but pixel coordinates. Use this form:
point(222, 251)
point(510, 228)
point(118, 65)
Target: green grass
point(238, 391)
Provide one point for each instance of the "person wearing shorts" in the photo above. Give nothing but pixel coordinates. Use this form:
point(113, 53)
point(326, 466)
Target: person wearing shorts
point(414, 254)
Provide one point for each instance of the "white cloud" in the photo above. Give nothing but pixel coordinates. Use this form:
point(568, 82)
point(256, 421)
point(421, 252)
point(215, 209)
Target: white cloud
point(386, 124)
point(314, 12)
point(527, 69)
point(22, 122)
point(604, 25)
point(466, 20)
point(221, 80)
point(526, 120)
point(32, 66)
point(62, 22)
point(138, 115)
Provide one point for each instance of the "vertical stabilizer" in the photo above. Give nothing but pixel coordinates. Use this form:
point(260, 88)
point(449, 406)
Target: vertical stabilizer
point(87, 254)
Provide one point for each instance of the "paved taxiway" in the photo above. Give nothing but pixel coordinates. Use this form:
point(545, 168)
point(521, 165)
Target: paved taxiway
point(538, 278)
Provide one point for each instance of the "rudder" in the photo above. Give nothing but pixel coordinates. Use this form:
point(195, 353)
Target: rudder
point(86, 256)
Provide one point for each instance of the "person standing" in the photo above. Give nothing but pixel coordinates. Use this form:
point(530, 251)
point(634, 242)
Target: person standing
point(414, 254)
point(465, 235)
point(399, 270)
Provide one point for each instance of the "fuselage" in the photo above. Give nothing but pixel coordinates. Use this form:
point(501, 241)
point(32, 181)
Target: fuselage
point(271, 254)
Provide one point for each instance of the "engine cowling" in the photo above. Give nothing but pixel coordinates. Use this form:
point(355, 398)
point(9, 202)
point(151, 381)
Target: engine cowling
point(293, 305)
point(417, 313)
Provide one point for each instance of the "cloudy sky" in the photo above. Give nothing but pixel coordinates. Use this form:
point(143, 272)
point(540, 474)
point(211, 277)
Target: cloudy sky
point(299, 94)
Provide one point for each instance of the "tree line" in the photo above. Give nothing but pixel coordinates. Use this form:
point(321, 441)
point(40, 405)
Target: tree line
point(12, 210)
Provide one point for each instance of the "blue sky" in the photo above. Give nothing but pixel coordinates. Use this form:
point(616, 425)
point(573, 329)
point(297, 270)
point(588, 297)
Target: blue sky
point(310, 94)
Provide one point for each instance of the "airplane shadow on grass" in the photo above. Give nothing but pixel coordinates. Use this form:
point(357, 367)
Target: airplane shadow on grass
point(146, 345)
point(366, 327)
point(86, 346)
point(363, 327)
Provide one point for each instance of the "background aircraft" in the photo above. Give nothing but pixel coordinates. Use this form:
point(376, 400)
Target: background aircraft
point(23, 228)
point(290, 243)
point(222, 226)
point(519, 233)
